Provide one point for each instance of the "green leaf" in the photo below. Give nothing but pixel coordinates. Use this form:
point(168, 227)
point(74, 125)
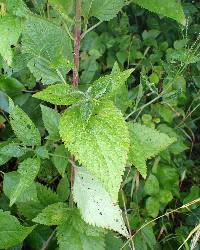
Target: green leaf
point(63, 188)
point(165, 196)
point(146, 143)
point(61, 94)
point(28, 170)
point(11, 231)
point(49, 48)
point(75, 234)
point(42, 152)
point(95, 203)
point(54, 214)
point(101, 145)
point(169, 8)
point(10, 86)
point(10, 30)
point(104, 10)
point(151, 186)
point(13, 150)
point(152, 206)
point(60, 159)
point(23, 127)
point(11, 181)
point(62, 5)
point(51, 119)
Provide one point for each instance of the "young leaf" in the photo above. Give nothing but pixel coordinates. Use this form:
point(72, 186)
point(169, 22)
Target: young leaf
point(13, 150)
point(62, 5)
point(11, 231)
point(54, 214)
point(74, 233)
point(51, 119)
point(23, 127)
point(101, 145)
point(49, 48)
point(10, 29)
point(60, 159)
point(95, 203)
point(28, 171)
point(104, 10)
point(146, 143)
point(169, 8)
point(61, 94)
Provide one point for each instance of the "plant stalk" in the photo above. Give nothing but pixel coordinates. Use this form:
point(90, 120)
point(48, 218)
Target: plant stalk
point(77, 40)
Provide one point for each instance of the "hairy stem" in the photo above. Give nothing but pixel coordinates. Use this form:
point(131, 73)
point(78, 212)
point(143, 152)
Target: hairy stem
point(77, 40)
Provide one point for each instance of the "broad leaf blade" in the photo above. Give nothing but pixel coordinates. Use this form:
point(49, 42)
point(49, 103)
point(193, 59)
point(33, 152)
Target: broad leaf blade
point(169, 8)
point(95, 203)
point(11, 231)
point(75, 234)
point(60, 94)
point(101, 146)
point(146, 143)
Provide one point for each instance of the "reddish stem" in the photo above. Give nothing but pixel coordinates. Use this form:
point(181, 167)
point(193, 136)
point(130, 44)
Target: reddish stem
point(77, 40)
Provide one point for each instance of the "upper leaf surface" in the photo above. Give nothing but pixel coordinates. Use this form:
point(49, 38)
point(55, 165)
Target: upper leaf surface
point(61, 94)
point(101, 145)
point(75, 234)
point(95, 203)
point(49, 47)
point(104, 10)
point(169, 8)
point(145, 144)
point(11, 232)
point(23, 127)
point(10, 30)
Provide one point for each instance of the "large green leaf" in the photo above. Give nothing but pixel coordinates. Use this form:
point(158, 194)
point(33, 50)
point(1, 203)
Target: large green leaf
point(28, 171)
point(13, 150)
point(75, 234)
point(104, 10)
point(169, 8)
point(49, 47)
point(101, 145)
point(23, 127)
point(10, 29)
point(54, 214)
point(95, 203)
point(11, 231)
point(146, 143)
point(60, 94)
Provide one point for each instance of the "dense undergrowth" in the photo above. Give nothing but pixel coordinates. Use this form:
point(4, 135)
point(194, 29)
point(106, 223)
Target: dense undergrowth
point(162, 93)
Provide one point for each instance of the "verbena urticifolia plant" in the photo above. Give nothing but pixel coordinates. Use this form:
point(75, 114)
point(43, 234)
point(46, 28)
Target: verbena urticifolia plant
point(99, 139)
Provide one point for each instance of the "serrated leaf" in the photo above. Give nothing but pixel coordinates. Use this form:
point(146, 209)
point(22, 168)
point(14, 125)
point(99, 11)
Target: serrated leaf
point(54, 214)
point(28, 170)
point(75, 234)
point(46, 196)
point(49, 47)
point(95, 203)
point(23, 127)
point(11, 231)
point(101, 146)
point(60, 159)
point(11, 181)
point(63, 188)
point(104, 10)
point(10, 29)
point(51, 119)
point(42, 152)
point(146, 143)
point(61, 94)
point(169, 8)
point(62, 6)
point(13, 150)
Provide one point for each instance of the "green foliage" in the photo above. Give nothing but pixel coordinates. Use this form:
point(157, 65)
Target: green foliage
point(23, 127)
point(170, 8)
point(61, 94)
point(101, 149)
point(107, 11)
point(60, 159)
point(96, 206)
point(10, 29)
point(74, 233)
point(145, 144)
point(11, 231)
